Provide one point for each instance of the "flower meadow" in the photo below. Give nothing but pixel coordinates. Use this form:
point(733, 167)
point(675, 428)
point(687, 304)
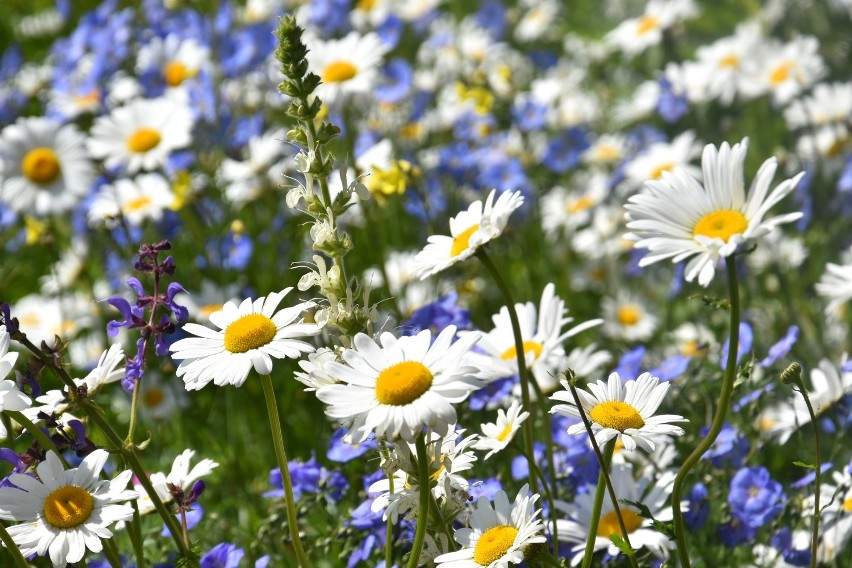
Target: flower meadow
point(338, 283)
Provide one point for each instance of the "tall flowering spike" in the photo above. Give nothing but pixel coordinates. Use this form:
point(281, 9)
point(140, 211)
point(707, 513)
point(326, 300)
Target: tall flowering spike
point(469, 230)
point(249, 336)
point(677, 217)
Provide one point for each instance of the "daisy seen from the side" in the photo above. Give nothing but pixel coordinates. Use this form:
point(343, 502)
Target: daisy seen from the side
point(678, 218)
point(399, 385)
point(141, 134)
point(45, 167)
point(621, 411)
point(64, 512)
point(835, 285)
point(469, 230)
point(249, 336)
point(499, 434)
point(10, 397)
point(146, 196)
point(497, 535)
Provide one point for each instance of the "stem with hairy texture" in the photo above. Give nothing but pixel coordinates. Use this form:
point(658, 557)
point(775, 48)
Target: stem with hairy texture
point(425, 491)
point(521, 359)
point(278, 443)
point(718, 419)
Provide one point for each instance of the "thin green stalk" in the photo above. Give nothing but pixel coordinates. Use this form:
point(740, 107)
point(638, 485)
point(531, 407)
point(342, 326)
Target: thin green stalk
point(589, 553)
point(389, 528)
point(278, 443)
point(111, 553)
point(603, 462)
point(718, 419)
point(134, 402)
point(136, 467)
point(446, 525)
point(12, 548)
point(520, 356)
point(551, 465)
point(423, 483)
point(794, 372)
point(134, 531)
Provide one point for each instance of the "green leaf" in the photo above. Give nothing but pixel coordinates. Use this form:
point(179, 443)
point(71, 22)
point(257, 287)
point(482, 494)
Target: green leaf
point(805, 465)
point(622, 546)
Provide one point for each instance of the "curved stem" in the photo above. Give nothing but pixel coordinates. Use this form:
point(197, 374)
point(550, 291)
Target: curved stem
point(718, 419)
point(519, 355)
point(551, 465)
point(817, 479)
point(13, 549)
point(596, 510)
point(425, 491)
point(37, 433)
point(134, 531)
point(278, 443)
point(111, 553)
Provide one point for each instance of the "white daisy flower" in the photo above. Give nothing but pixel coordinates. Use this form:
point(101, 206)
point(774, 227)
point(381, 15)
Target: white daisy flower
point(249, 335)
point(175, 59)
point(565, 210)
point(497, 435)
point(401, 386)
point(634, 35)
point(626, 318)
point(10, 397)
point(263, 168)
point(641, 531)
point(347, 66)
point(469, 230)
point(661, 157)
point(541, 335)
point(180, 475)
point(836, 286)
point(677, 218)
point(146, 196)
point(624, 412)
point(313, 373)
point(44, 165)
point(498, 535)
point(65, 512)
point(141, 134)
point(784, 70)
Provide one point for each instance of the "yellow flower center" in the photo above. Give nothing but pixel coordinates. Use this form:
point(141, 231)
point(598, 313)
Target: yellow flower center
point(41, 165)
point(403, 383)
point(68, 507)
point(657, 172)
point(365, 5)
point(208, 309)
point(512, 353)
point(765, 424)
point(461, 242)
point(847, 505)
point(249, 332)
point(616, 415)
point(176, 73)
point(154, 397)
point(629, 314)
point(647, 24)
point(338, 72)
point(721, 224)
point(729, 61)
point(608, 524)
point(780, 74)
point(493, 544)
point(142, 140)
point(580, 204)
point(505, 433)
point(136, 204)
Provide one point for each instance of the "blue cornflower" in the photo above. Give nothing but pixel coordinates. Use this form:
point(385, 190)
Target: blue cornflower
point(529, 115)
point(390, 31)
point(520, 467)
point(487, 488)
point(630, 363)
point(329, 16)
point(729, 449)
point(755, 498)
point(736, 532)
point(782, 541)
point(672, 368)
point(784, 345)
point(397, 83)
point(223, 555)
point(844, 183)
point(503, 173)
point(438, 315)
point(563, 152)
point(699, 507)
point(746, 339)
point(493, 394)
point(671, 106)
point(472, 126)
point(491, 17)
point(342, 452)
point(305, 476)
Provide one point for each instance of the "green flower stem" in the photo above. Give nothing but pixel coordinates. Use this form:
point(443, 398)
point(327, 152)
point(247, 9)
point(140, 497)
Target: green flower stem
point(551, 465)
point(718, 419)
point(817, 468)
point(444, 524)
point(425, 491)
point(278, 443)
point(389, 528)
point(521, 358)
point(129, 453)
point(12, 548)
point(589, 553)
point(36, 433)
point(111, 553)
point(603, 462)
point(134, 531)
point(134, 402)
